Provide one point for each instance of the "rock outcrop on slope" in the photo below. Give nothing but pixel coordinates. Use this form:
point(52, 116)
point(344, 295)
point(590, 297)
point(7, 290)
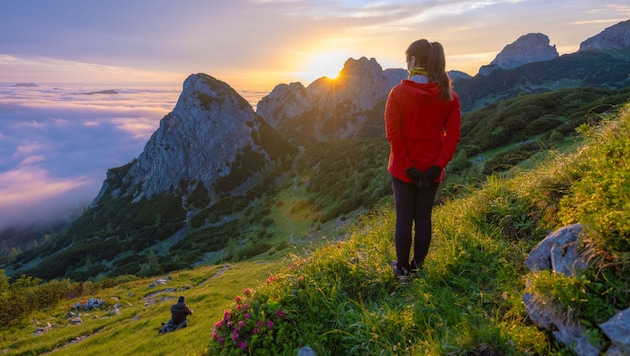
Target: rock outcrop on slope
point(532, 47)
point(613, 38)
point(211, 134)
point(559, 252)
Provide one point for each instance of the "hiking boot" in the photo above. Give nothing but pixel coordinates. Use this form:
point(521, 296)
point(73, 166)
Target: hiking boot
point(401, 273)
point(414, 266)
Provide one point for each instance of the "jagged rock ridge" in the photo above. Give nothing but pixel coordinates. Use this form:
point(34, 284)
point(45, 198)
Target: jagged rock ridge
point(532, 47)
point(201, 140)
point(613, 38)
point(328, 109)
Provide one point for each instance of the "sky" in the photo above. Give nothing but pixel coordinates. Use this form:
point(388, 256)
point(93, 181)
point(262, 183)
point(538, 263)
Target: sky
point(249, 43)
point(56, 143)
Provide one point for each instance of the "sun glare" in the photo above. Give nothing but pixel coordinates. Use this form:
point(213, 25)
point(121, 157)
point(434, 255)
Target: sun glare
point(326, 64)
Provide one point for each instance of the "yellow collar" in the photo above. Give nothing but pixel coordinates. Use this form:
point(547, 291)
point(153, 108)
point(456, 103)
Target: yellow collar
point(418, 70)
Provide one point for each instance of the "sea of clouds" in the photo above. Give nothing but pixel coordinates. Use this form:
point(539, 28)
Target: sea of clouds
point(57, 142)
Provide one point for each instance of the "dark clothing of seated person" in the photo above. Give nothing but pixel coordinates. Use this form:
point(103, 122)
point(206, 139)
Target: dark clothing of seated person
point(179, 312)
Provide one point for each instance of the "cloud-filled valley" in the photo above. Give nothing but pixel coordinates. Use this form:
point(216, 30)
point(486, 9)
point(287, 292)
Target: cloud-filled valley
point(56, 143)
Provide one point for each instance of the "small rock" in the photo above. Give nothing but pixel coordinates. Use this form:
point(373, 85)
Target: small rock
point(306, 351)
point(617, 329)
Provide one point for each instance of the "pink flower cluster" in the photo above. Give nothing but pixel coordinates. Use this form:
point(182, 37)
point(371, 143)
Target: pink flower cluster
point(238, 325)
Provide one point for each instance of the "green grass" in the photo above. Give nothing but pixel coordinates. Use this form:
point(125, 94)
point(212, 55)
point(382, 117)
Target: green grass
point(337, 294)
point(343, 298)
point(208, 291)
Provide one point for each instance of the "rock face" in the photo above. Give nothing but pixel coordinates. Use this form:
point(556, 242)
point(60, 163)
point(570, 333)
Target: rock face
point(203, 139)
point(331, 109)
point(613, 38)
point(285, 102)
point(558, 252)
point(617, 329)
point(532, 47)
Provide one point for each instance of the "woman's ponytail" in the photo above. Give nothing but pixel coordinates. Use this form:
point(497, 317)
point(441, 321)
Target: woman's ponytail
point(436, 65)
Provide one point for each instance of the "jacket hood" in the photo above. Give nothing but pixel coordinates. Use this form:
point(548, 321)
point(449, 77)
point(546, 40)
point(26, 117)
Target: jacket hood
point(424, 92)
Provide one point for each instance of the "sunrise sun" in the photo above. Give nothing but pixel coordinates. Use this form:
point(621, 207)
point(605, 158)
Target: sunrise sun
point(326, 64)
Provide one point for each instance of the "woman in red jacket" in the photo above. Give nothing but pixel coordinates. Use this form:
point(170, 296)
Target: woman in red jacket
point(422, 123)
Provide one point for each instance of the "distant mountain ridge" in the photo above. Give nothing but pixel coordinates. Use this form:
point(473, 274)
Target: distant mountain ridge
point(352, 105)
point(613, 38)
point(530, 48)
point(330, 109)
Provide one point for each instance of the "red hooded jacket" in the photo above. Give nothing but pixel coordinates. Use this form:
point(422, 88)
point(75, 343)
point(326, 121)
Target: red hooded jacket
point(423, 130)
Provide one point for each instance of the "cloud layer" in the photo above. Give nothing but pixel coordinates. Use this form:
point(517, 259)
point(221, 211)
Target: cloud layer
point(57, 143)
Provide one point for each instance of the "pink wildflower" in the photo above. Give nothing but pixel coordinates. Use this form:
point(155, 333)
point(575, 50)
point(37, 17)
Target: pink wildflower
point(259, 322)
point(241, 324)
point(235, 335)
point(242, 345)
point(279, 313)
point(255, 331)
point(238, 300)
point(215, 336)
point(221, 340)
point(248, 291)
point(269, 324)
point(248, 315)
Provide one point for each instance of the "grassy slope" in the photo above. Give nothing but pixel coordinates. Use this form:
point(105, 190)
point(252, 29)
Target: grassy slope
point(343, 297)
point(208, 290)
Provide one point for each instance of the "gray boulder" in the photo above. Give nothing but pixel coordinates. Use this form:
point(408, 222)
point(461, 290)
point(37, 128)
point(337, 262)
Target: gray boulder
point(617, 329)
point(93, 303)
point(558, 252)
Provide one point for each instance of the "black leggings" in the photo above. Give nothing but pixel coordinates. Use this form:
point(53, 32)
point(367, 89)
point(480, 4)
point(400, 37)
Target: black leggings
point(413, 204)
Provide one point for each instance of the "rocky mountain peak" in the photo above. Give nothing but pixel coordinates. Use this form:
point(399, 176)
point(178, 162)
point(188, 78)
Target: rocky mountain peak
point(328, 108)
point(362, 67)
point(361, 81)
point(532, 47)
point(286, 101)
point(200, 141)
point(613, 38)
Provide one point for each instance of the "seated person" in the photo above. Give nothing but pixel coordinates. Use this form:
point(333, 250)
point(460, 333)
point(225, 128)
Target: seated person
point(179, 312)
